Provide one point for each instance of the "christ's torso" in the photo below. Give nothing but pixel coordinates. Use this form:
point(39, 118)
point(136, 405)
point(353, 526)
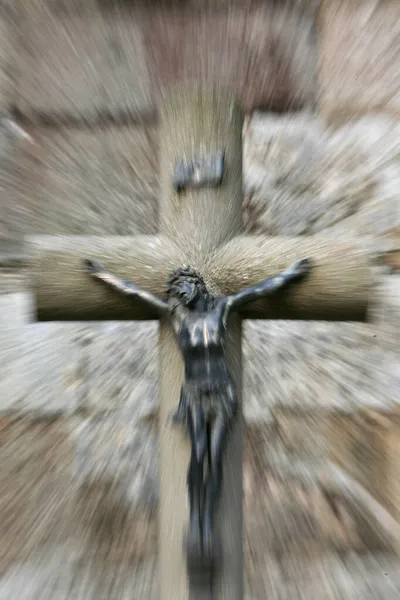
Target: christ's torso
point(200, 337)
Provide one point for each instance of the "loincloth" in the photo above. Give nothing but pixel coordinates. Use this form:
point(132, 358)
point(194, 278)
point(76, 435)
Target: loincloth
point(214, 399)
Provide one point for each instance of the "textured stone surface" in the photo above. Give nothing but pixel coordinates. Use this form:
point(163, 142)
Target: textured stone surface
point(8, 162)
point(78, 497)
point(69, 537)
point(302, 177)
point(369, 576)
point(8, 37)
point(101, 181)
point(392, 260)
point(106, 374)
point(14, 311)
point(276, 67)
point(113, 368)
point(108, 370)
point(81, 66)
point(115, 355)
point(64, 573)
point(290, 511)
point(50, 368)
point(315, 364)
point(76, 7)
point(40, 364)
point(124, 458)
point(299, 179)
point(360, 52)
point(11, 281)
point(35, 475)
point(267, 53)
point(367, 446)
point(389, 326)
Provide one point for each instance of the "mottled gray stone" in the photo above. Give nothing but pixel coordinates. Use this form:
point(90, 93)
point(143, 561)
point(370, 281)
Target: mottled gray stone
point(60, 540)
point(122, 370)
point(316, 364)
point(39, 365)
point(64, 573)
point(14, 310)
point(78, 496)
point(359, 54)
point(266, 52)
point(81, 66)
point(301, 177)
point(103, 376)
point(370, 576)
point(120, 455)
point(8, 175)
point(86, 181)
point(84, 539)
point(11, 281)
point(8, 39)
point(389, 318)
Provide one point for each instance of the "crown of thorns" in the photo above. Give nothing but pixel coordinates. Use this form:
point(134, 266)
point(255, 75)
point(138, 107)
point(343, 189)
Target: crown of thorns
point(187, 274)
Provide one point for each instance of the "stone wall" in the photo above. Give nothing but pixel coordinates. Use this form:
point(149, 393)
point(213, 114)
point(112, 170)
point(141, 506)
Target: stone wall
point(78, 150)
point(76, 62)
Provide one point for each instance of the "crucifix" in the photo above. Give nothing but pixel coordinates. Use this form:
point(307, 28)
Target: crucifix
point(200, 264)
point(208, 400)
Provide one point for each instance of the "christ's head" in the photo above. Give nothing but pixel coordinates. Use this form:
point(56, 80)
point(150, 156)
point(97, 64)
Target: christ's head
point(188, 287)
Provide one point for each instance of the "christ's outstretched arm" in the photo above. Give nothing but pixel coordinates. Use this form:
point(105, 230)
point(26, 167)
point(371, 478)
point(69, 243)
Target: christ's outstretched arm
point(98, 271)
point(296, 271)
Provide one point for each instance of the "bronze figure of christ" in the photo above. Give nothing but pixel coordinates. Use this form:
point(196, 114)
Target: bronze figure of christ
point(208, 400)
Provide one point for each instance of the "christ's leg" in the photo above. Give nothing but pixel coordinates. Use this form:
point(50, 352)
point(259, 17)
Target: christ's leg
point(198, 437)
point(227, 411)
point(218, 435)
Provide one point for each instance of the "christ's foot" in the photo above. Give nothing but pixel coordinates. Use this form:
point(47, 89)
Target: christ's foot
point(193, 548)
point(211, 548)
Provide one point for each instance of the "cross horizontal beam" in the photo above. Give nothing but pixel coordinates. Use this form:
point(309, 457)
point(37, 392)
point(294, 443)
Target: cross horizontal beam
point(337, 288)
point(63, 291)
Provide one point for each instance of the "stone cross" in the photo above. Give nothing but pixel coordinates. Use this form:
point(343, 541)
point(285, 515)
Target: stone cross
point(200, 226)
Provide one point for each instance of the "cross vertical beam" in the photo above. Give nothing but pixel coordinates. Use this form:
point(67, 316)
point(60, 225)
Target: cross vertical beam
point(199, 219)
point(199, 227)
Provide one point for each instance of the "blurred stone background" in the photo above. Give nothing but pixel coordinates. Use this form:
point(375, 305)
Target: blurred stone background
point(79, 88)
